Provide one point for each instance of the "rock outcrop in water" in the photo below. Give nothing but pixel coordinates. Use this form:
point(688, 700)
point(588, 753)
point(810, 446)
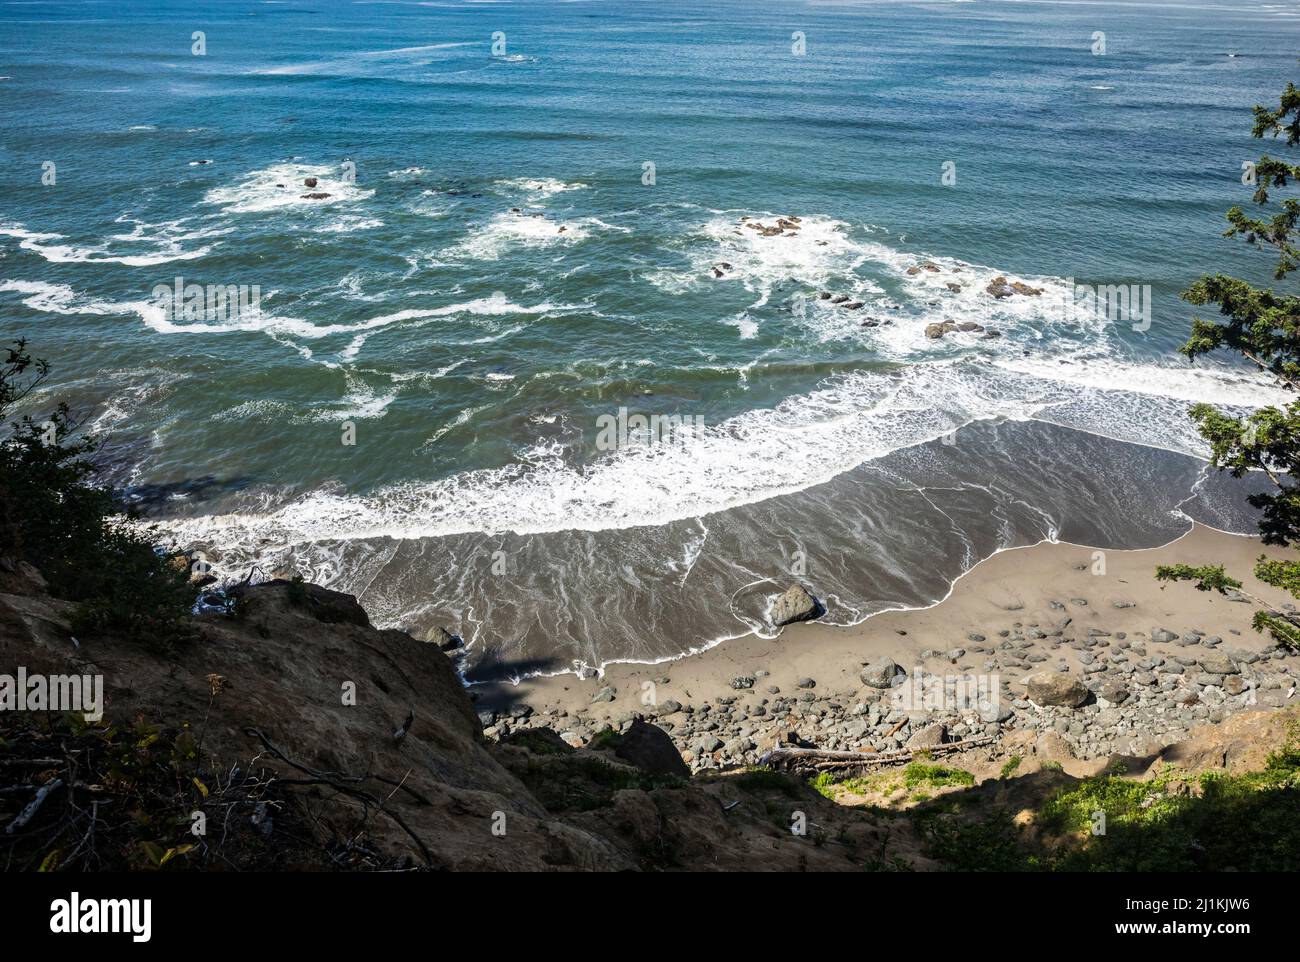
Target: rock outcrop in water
point(795, 604)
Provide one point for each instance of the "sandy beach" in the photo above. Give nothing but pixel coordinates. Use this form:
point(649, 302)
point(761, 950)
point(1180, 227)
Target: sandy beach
point(1074, 597)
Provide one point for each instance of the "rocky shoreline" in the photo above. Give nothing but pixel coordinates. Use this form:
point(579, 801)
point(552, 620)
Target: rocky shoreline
point(1114, 671)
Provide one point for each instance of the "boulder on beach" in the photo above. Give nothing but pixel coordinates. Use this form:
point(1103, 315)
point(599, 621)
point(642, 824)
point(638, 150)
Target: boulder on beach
point(650, 749)
point(881, 674)
point(929, 736)
point(796, 604)
point(1217, 663)
point(1113, 692)
point(1056, 688)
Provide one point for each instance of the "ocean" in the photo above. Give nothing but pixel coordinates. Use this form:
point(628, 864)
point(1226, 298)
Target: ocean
point(470, 237)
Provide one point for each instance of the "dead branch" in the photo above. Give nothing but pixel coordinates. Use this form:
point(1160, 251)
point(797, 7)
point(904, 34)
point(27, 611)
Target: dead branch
point(33, 806)
point(817, 759)
point(342, 783)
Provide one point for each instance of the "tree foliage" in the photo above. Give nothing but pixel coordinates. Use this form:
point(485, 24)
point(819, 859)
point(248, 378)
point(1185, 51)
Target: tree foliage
point(55, 516)
point(1263, 326)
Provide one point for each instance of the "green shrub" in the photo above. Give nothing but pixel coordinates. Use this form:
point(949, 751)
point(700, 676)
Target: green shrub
point(54, 515)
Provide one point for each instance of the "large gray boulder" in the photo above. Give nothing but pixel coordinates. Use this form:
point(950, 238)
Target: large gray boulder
point(1218, 663)
point(881, 674)
point(1056, 688)
point(796, 604)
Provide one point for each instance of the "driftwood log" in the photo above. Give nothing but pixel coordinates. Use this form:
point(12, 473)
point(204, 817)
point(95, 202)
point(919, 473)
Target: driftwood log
point(816, 759)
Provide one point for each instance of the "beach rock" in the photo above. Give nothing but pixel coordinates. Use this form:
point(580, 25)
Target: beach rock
point(444, 639)
point(929, 736)
point(606, 694)
point(708, 745)
point(881, 674)
point(938, 330)
point(796, 604)
point(1052, 746)
point(310, 182)
point(1113, 692)
point(742, 682)
point(999, 287)
point(1218, 663)
point(995, 712)
point(315, 195)
point(1057, 689)
point(650, 749)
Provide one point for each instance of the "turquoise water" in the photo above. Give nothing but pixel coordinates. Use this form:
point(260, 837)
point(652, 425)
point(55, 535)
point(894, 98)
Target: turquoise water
point(497, 277)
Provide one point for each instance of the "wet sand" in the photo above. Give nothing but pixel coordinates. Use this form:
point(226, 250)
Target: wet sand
point(1025, 586)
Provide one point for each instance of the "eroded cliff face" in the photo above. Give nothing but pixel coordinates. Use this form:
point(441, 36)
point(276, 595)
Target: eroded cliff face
point(311, 740)
point(298, 682)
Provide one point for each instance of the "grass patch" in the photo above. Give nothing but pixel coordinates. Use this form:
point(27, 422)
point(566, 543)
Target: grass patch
point(918, 774)
point(1217, 822)
point(824, 785)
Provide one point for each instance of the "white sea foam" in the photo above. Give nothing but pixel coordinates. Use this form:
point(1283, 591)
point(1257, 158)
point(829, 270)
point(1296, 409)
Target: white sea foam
point(509, 230)
point(537, 187)
point(283, 186)
point(62, 299)
point(161, 243)
point(805, 440)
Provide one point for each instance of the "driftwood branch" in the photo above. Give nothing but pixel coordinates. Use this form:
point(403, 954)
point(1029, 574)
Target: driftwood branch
point(817, 759)
point(33, 806)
